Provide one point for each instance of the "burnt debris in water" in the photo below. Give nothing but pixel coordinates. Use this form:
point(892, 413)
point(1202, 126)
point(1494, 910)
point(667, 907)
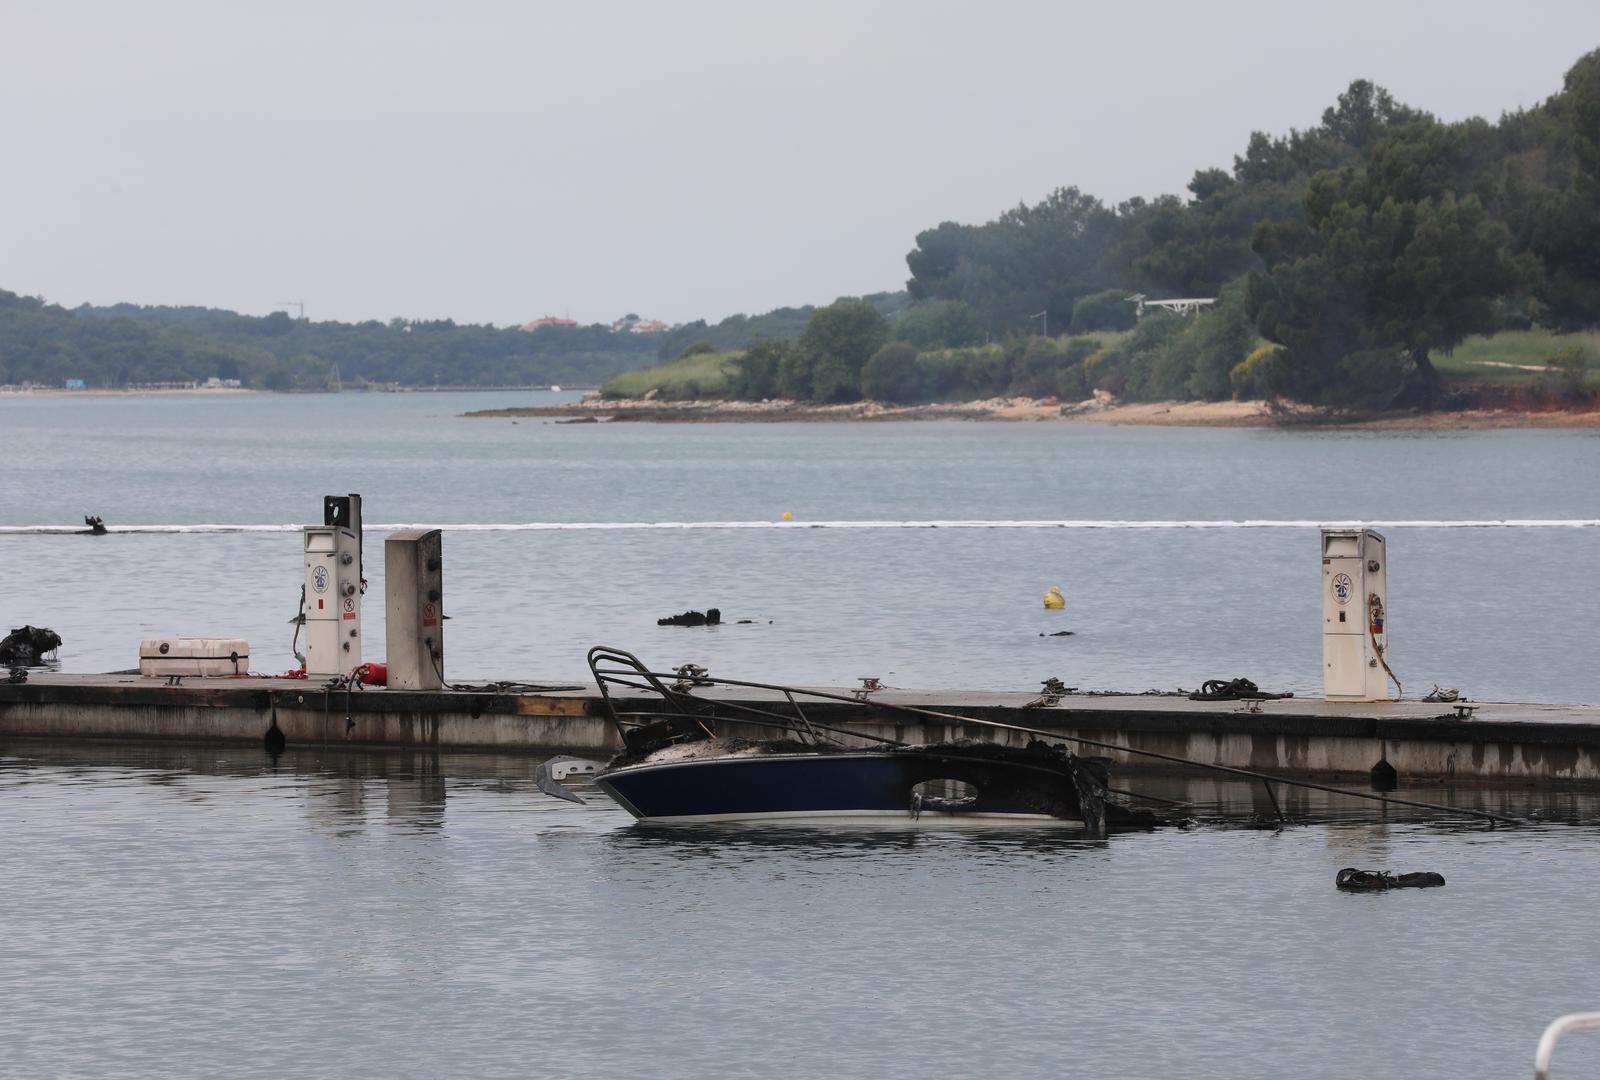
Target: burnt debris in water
point(1352, 880)
point(97, 526)
point(709, 617)
point(28, 645)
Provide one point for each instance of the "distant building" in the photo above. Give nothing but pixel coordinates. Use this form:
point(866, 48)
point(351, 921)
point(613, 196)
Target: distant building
point(548, 320)
point(74, 384)
point(215, 383)
point(632, 324)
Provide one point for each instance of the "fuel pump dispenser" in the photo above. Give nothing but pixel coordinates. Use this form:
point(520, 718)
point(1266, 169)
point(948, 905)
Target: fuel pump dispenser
point(1355, 615)
point(413, 586)
point(334, 584)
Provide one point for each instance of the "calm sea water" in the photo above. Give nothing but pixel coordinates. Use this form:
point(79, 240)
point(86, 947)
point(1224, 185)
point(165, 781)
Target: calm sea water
point(209, 912)
point(1497, 613)
point(196, 912)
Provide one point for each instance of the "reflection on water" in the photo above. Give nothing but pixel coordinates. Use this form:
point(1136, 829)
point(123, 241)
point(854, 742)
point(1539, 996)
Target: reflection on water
point(199, 911)
point(407, 788)
point(723, 840)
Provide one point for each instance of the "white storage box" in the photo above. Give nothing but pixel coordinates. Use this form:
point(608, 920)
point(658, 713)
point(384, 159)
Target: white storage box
point(159, 657)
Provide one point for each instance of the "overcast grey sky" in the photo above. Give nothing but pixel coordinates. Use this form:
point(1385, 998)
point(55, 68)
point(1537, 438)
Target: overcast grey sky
point(500, 161)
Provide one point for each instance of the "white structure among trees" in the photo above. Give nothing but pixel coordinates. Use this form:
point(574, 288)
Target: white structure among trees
point(1184, 306)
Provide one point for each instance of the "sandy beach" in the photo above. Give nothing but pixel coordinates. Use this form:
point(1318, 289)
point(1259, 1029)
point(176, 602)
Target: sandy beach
point(1020, 410)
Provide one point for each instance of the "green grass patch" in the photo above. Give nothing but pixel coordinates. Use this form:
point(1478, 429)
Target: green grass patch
point(1511, 357)
point(704, 375)
point(1106, 338)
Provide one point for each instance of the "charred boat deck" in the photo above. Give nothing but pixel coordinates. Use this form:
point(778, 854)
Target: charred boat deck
point(1476, 741)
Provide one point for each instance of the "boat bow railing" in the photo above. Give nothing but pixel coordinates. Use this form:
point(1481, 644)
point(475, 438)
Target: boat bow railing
point(616, 669)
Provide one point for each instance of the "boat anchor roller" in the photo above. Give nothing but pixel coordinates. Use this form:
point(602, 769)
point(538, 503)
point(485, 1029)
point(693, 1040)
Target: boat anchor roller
point(548, 776)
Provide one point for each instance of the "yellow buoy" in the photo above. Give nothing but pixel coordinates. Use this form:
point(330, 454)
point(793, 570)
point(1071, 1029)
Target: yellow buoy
point(788, 516)
point(1053, 598)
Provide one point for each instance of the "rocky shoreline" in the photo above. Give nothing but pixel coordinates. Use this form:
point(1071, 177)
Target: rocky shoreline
point(1101, 410)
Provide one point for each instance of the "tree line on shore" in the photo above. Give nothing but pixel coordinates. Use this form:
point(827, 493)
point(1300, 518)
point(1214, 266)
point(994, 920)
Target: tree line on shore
point(127, 345)
point(130, 344)
point(1341, 259)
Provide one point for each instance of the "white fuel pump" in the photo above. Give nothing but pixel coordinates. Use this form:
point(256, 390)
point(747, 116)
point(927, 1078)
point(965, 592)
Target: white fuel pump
point(413, 584)
point(1355, 617)
point(334, 583)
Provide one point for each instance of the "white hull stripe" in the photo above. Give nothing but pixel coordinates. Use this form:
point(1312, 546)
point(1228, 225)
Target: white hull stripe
point(881, 817)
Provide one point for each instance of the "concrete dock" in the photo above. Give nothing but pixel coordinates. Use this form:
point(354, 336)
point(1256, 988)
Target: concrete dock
point(1491, 742)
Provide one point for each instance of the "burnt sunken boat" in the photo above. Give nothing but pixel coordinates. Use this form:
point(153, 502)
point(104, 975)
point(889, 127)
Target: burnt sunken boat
point(685, 759)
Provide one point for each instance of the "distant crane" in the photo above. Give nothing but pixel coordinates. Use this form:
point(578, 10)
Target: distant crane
point(299, 308)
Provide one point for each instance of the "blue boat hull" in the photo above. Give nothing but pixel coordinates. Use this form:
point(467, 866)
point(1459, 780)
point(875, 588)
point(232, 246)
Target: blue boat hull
point(872, 784)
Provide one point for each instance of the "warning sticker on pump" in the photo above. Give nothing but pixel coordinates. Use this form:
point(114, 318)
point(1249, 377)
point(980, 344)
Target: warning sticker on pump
point(430, 615)
point(1342, 588)
point(319, 578)
point(349, 607)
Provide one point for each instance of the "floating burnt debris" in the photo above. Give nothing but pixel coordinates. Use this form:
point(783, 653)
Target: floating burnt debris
point(27, 645)
point(1352, 880)
point(708, 617)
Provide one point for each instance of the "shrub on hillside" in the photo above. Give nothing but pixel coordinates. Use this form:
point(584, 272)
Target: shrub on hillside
point(1373, 378)
point(837, 342)
point(755, 374)
point(1256, 376)
point(794, 375)
point(1071, 383)
point(938, 324)
point(1569, 373)
point(834, 381)
point(1223, 337)
point(1108, 310)
point(1128, 367)
point(1034, 369)
point(895, 374)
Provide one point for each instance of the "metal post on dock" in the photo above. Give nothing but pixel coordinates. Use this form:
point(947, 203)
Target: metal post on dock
point(413, 568)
